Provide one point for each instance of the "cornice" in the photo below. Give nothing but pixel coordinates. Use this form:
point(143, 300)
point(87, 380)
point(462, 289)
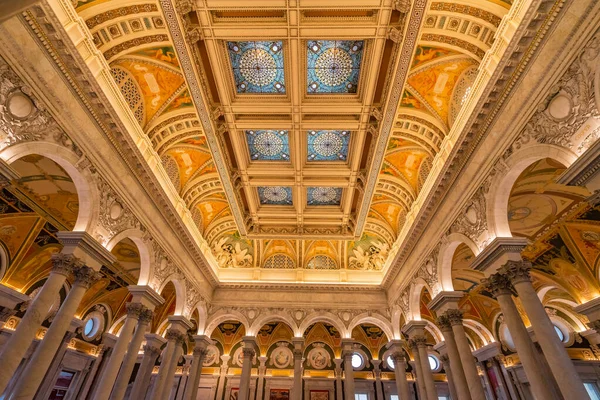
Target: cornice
point(84, 86)
point(522, 47)
point(275, 287)
point(584, 168)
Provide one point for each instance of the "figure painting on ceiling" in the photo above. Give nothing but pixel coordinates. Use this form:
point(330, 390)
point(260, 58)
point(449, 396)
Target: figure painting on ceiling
point(369, 253)
point(233, 252)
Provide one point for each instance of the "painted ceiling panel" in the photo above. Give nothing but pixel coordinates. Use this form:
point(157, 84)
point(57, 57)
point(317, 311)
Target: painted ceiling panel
point(257, 66)
point(268, 145)
point(323, 196)
point(275, 195)
point(328, 145)
point(333, 66)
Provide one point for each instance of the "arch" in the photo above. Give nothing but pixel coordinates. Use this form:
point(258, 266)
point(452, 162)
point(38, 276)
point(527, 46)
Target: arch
point(414, 299)
point(502, 184)
point(86, 191)
point(323, 317)
point(224, 316)
point(435, 332)
point(397, 315)
point(115, 323)
point(137, 237)
point(480, 330)
point(200, 306)
point(374, 319)
point(260, 322)
point(179, 292)
point(446, 255)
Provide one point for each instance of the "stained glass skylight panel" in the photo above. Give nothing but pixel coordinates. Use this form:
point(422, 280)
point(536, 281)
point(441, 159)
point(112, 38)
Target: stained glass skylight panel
point(323, 196)
point(275, 195)
point(328, 145)
point(257, 66)
point(333, 66)
point(268, 145)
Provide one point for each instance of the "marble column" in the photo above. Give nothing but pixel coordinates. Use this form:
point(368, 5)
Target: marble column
point(9, 299)
point(466, 357)
point(222, 375)
point(191, 388)
point(249, 353)
point(298, 343)
point(108, 340)
point(152, 350)
point(421, 343)
point(347, 352)
point(167, 383)
point(124, 374)
point(400, 375)
point(17, 345)
point(377, 373)
point(262, 370)
point(560, 363)
point(501, 288)
point(418, 369)
point(89, 377)
point(338, 378)
point(134, 311)
point(458, 375)
point(449, 377)
point(42, 357)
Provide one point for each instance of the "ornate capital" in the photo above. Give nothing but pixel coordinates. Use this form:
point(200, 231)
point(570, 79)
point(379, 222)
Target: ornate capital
point(397, 358)
point(443, 322)
point(454, 316)
point(175, 336)
point(497, 285)
point(65, 264)
point(151, 351)
point(86, 277)
point(248, 353)
point(146, 316)
point(200, 353)
point(516, 271)
point(298, 353)
point(135, 310)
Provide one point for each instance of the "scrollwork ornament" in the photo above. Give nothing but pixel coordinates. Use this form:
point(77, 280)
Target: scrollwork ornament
point(516, 271)
point(443, 322)
point(134, 310)
point(497, 285)
point(86, 276)
point(65, 264)
point(454, 316)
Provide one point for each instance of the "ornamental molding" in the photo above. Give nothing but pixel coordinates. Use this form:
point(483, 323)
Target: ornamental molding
point(525, 43)
point(472, 220)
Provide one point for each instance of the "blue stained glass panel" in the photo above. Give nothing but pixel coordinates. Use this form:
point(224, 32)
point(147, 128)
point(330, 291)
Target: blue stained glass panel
point(275, 195)
point(323, 196)
point(328, 145)
point(333, 66)
point(257, 66)
point(268, 145)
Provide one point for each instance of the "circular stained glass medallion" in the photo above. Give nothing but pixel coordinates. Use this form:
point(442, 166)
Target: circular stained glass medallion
point(258, 67)
point(275, 194)
point(327, 144)
point(268, 144)
point(333, 67)
point(324, 195)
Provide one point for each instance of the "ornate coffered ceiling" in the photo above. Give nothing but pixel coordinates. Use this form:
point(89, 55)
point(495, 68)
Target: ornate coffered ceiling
point(299, 136)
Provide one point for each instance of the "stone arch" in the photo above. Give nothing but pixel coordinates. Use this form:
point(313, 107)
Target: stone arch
point(137, 237)
point(480, 330)
point(414, 299)
point(446, 255)
point(180, 297)
point(374, 319)
point(86, 191)
point(397, 316)
point(224, 316)
point(327, 317)
point(200, 306)
point(279, 317)
point(502, 184)
point(435, 332)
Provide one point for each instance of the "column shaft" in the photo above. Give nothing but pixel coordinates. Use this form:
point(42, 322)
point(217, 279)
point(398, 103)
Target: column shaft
point(120, 387)
point(297, 376)
point(458, 374)
point(560, 363)
point(466, 357)
point(222, 375)
point(425, 368)
point(33, 374)
point(377, 372)
point(172, 368)
point(400, 374)
point(348, 376)
point(246, 372)
point(16, 346)
point(450, 378)
point(89, 379)
point(160, 380)
point(193, 382)
point(142, 380)
point(419, 372)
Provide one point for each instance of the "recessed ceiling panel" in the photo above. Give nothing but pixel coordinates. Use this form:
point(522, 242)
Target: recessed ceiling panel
point(268, 145)
point(257, 66)
point(333, 66)
point(275, 195)
point(328, 145)
point(323, 196)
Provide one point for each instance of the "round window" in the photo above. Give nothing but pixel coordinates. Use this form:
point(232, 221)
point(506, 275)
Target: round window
point(357, 360)
point(434, 363)
point(390, 362)
point(89, 327)
point(93, 325)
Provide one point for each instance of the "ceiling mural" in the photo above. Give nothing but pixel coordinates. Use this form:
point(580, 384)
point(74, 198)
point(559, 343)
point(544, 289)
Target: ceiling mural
point(297, 123)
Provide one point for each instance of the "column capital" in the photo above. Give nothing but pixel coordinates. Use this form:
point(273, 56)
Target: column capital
point(84, 246)
point(455, 317)
point(145, 295)
point(498, 252)
point(516, 271)
point(201, 342)
point(418, 341)
point(180, 323)
point(174, 335)
point(395, 345)
point(298, 343)
point(146, 316)
point(445, 300)
point(86, 277)
point(65, 264)
point(498, 285)
point(443, 322)
point(134, 310)
point(151, 351)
